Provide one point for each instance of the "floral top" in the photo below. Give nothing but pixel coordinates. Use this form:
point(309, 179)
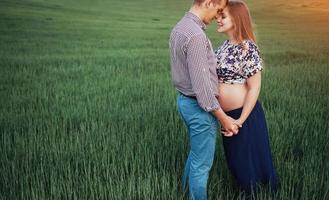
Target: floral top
point(237, 62)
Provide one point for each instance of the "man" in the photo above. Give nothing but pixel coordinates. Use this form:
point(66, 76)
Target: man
point(193, 70)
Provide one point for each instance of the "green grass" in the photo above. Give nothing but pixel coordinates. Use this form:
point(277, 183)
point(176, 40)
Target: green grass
point(88, 109)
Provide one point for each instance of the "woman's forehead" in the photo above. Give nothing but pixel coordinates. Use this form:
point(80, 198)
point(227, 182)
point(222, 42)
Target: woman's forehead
point(225, 11)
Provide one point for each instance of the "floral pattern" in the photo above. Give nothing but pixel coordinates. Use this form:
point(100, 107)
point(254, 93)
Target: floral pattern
point(237, 62)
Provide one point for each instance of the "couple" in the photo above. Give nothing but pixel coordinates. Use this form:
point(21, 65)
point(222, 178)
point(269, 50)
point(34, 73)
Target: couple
point(221, 86)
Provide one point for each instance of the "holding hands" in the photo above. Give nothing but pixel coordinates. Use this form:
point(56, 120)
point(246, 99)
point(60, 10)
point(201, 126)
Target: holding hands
point(230, 126)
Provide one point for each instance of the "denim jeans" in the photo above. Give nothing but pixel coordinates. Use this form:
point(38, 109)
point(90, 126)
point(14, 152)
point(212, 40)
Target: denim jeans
point(202, 129)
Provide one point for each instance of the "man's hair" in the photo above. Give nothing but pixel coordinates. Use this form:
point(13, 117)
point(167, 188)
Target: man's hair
point(199, 2)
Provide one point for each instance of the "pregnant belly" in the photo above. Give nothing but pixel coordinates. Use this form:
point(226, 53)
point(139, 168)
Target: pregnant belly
point(231, 96)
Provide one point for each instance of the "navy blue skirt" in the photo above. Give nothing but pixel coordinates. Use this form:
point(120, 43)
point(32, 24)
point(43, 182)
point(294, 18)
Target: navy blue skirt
point(248, 153)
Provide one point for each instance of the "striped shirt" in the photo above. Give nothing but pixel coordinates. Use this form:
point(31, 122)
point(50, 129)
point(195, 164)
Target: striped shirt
point(193, 63)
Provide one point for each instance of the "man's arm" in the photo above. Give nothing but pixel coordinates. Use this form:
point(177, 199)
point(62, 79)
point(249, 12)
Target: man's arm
point(198, 66)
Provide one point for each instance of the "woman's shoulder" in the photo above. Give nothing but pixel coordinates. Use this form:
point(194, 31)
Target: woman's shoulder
point(249, 44)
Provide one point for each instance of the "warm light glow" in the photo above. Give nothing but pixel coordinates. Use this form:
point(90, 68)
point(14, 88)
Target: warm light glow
point(322, 5)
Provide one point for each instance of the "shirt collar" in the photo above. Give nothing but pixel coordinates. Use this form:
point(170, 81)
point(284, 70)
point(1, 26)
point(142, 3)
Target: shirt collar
point(196, 19)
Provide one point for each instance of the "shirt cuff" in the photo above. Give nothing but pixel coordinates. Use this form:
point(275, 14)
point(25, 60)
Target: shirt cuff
point(213, 108)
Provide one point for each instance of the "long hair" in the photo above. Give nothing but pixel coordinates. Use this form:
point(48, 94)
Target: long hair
point(242, 22)
point(199, 2)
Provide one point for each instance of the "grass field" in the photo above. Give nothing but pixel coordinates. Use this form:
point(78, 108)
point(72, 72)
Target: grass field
point(88, 109)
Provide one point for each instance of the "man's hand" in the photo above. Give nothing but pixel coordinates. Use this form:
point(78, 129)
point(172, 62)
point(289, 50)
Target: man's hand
point(229, 126)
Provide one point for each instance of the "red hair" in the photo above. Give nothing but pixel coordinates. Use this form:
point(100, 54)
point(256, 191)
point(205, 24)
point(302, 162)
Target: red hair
point(199, 2)
point(242, 22)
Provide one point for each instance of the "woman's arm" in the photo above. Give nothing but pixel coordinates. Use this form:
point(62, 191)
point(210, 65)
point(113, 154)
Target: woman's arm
point(253, 85)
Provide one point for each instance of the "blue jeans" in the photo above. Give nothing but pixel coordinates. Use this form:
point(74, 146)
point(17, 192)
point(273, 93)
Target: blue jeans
point(202, 129)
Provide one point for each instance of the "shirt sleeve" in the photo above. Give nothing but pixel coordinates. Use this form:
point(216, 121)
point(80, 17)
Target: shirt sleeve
point(252, 61)
point(198, 66)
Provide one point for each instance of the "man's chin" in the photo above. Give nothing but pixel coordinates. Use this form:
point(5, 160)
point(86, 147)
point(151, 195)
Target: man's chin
point(206, 23)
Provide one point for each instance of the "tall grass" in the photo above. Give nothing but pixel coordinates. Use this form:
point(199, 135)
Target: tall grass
point(88, 109)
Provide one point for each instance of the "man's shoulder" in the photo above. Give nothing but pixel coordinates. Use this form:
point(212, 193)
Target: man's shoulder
point(186, 27)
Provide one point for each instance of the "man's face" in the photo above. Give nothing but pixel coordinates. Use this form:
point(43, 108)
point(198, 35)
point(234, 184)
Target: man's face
point(214, 9)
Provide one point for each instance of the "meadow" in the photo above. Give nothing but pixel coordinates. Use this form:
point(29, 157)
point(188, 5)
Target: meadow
point(88, 109)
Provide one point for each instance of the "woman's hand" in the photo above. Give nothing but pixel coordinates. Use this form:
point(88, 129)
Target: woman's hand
point(237, 123)
point(234, 127)
point(229, 128)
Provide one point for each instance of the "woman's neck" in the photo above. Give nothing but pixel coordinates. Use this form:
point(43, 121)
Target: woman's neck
point(230, 34)
point(231, 37)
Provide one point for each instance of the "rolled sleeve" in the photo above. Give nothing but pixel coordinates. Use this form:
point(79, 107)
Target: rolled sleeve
point(198, 66)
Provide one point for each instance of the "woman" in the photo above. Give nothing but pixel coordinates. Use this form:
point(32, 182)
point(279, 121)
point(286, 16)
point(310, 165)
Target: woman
point(248, 153)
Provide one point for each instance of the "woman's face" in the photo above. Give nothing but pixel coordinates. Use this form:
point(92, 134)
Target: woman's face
point(224, 22)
